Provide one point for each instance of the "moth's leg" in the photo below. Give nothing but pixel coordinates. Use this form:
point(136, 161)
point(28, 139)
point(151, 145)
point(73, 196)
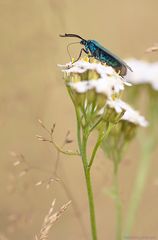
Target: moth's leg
point(82, 50)
point(90, 56)
point(119, 72)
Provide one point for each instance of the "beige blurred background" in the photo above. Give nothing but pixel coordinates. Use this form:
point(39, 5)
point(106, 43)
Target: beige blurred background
point(31, 87)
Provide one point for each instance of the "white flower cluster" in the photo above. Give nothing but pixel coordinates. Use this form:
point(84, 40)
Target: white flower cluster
point(130, 114)
point(108, 83)
point(143, 73)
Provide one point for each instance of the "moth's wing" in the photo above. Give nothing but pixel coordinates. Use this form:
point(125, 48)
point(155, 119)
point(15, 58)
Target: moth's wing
point(111, 54)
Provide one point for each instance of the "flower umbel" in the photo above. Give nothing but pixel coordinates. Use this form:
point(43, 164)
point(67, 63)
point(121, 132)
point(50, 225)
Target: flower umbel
point(125, 129)
point(90, 86)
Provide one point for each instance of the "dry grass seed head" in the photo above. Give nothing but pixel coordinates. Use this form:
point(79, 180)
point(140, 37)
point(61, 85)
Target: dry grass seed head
point(50, 219)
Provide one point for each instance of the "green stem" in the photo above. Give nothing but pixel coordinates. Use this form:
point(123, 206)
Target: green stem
point(109, 128)
point(91, 205)
point(83, 146)
point(78, 130)
point(99, 141)
point(118, 203)
point(89, 188)
point(139, 185)
point(96, 124)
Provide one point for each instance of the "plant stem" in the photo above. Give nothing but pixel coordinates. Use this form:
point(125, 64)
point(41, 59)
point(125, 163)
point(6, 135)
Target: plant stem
point(118, 203)
point(78, 130)
point(89, 186)
point(82, 136)
point(99, 141)
point(139, 184)
point(91, 205)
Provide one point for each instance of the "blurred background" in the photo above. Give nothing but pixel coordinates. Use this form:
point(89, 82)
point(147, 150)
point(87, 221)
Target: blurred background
point(32, 88)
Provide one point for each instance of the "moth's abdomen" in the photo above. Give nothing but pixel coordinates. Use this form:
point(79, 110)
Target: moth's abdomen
point(104, 57)
point(110, 61)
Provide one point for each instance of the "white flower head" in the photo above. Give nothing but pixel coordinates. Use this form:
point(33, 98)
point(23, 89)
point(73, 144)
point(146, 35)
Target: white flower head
point(126, 121)
point(105, 86)
point(134, 117)
point(108, 83)
point(130, 114)
point(143, 73)
point(82, 66)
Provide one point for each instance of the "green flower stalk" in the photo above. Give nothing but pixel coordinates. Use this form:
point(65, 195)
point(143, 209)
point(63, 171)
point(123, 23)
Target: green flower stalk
point(118, 140)
point(125, 129)
point(145, 77)
point(92, 87)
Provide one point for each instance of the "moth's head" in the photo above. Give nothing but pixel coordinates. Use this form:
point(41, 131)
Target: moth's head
point(83, 42)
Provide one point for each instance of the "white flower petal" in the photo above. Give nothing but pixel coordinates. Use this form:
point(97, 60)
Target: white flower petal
point(116, 105)
point(82, 66)
point(81, 87)
point(143, 73)
point(107, 86)
point(130, 114)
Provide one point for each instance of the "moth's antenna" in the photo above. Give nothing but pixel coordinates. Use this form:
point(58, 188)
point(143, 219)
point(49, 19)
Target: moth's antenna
point(71, 35)
point(68, 48)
